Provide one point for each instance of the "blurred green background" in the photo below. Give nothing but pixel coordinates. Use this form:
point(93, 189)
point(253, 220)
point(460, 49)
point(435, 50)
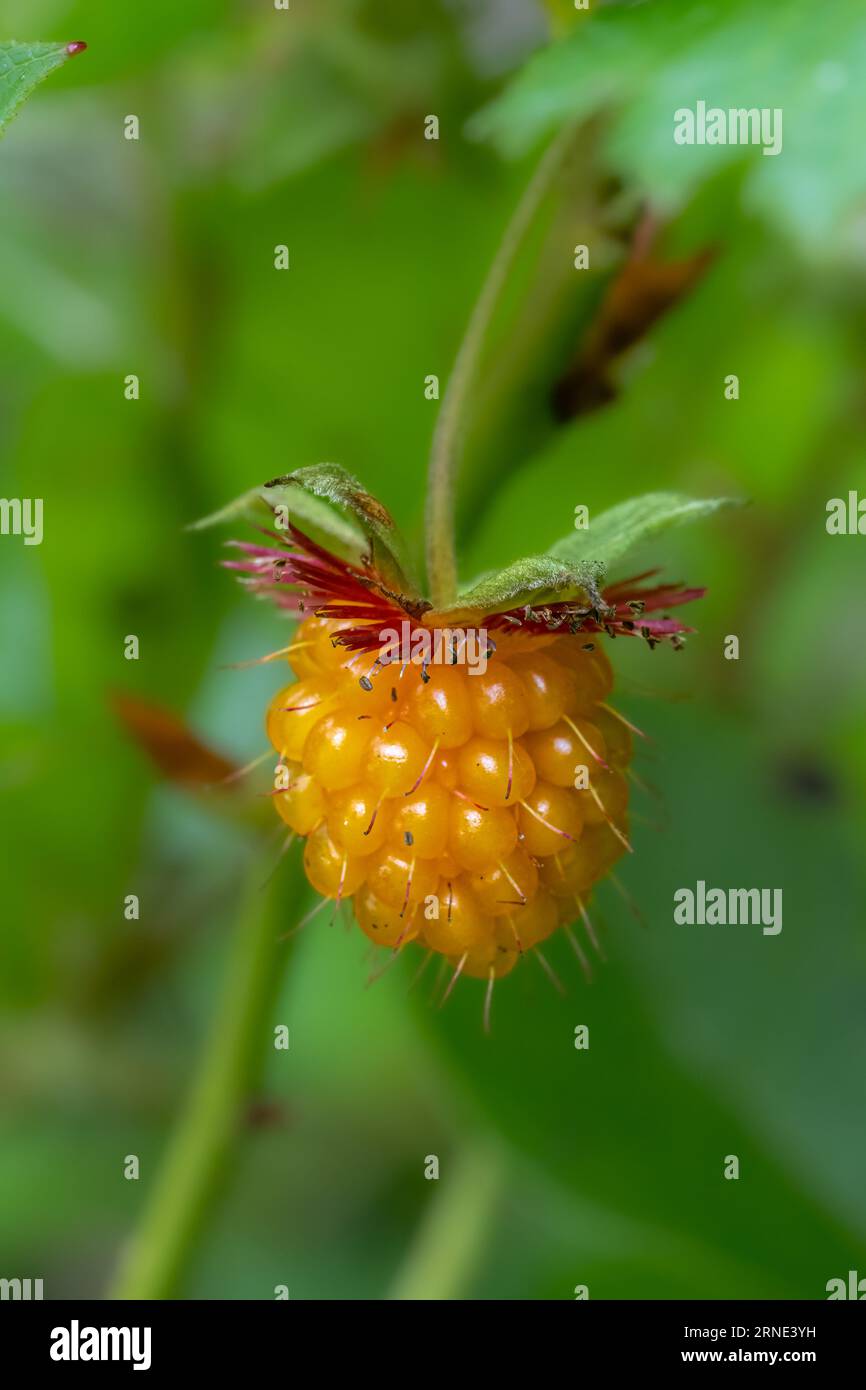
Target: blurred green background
point(557, 1167)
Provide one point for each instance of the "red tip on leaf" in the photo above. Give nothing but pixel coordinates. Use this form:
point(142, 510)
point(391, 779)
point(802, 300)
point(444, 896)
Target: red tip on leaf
point(77, 47)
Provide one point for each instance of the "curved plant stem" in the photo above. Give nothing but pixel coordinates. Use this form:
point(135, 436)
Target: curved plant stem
point(200, 1151)
point(447, 442)
point(449, 1242)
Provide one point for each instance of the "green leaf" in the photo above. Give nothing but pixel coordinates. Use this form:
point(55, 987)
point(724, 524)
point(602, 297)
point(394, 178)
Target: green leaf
point(22, 67)
point(335, 486)
point(535, 580)
point(642, 63)
point(316, 518)
point(574, 567)
point(333, 508)
point(617, 530)
point(250, 506)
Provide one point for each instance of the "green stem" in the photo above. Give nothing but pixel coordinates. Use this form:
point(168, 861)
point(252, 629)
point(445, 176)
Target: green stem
point(449, 1242)
point(200, 1151)
point(447, 441)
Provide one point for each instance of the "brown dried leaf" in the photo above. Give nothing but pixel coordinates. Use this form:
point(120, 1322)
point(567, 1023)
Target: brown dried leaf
point(178, 754)
point(643, 292)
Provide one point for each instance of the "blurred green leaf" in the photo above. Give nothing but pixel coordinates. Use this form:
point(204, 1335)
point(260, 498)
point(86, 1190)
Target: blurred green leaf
point(700, 1042)
point(22, 67)
point(643, 63)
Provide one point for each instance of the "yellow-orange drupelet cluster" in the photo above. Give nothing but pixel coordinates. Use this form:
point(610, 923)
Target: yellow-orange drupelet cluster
point(470, 812)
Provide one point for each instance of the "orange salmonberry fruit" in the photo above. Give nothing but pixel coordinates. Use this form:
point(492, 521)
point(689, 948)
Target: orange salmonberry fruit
point(470, 812)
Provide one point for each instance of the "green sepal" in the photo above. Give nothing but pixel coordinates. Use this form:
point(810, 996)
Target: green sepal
point(609, 536)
